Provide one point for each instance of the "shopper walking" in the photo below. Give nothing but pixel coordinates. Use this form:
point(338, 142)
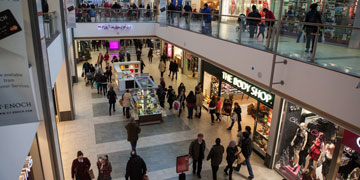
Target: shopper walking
point(135, 167)
point(313, 16)
point(164, 57)
point(100, 59)
point(181, 88)
point(197, 153)
point(125, 103)
point(270, 16)
point(246, 149)
point(104, 83)
point(253, 22)
point(198, 88)
point(231, 153)
point(218, 109)
point(162, 68)
point(241, 134)
point(206, 29)
point(80, 167)
point(190, 103)
point(171, 96)
point(142, 65)
point(98, 78)
point(105, 168)
point(216, 156)
point(128, 56)
point(107, 45)
point(111, 95)
point(86, 67)
point(133, 131)
point(138, 54)
point(199, 104)
point(161, 95)
point(162, 83)
point(236, 116)
point(171, 67)
point(108, 71)
point(181, 98)
point(187, 13)
point(150, 55)
point(106, 57)
point(212, 109)
point(175, 70)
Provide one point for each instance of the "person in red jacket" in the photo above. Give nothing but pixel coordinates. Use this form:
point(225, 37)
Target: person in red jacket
point(80, 167)
point(105, 168)
point(269, 15)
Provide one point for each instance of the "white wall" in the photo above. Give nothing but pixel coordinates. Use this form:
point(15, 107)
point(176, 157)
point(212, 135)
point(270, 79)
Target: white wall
point(86, 30)
point(329, 91)
point(62, 89)
point(56, 57)
point(15, 143)
point(320, 89)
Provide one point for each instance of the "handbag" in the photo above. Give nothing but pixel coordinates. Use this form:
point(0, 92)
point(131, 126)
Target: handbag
point(121, 102)
point(91, 174)
point(176, 105)
point(240, 157)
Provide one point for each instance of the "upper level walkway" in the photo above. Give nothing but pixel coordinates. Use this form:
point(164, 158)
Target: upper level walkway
point(340, 53)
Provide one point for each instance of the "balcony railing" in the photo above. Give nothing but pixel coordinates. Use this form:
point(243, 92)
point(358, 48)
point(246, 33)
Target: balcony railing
point(115, 15)
point(331, 46)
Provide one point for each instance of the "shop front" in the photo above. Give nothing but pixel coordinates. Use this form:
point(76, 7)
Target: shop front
point(178, 57)
point(256, 103)
point(237, 7)
point(311, 146)
point(191, 63)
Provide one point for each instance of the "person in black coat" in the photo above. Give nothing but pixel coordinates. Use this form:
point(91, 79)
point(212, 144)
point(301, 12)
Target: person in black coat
point(171, 96)
point(237, 110)
point(175, 70)
point(216, 156)
point(246, 149)
point(190, 103)
point(128, 56)
point(253, 22)
point(161, 95)
point(313, 16)
point(142, 65)
point(135, 168)
point(171, 67)
point(111, 95)
point(231, 152)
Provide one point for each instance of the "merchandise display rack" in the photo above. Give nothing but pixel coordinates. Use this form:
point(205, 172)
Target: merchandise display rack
point(147, 109)
point(125, 73)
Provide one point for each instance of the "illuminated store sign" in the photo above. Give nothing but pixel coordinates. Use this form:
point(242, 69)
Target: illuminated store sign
point(24, 175)
point(114, 27)
point(249, 89)
point(351, 140)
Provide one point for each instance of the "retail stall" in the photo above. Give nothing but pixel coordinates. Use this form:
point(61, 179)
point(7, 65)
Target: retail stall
point(125, 73)
point(191, 63)
point(256, 103)
point(147, 109)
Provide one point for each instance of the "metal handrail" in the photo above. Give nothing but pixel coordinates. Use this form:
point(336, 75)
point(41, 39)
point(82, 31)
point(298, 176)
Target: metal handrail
point(275, 20)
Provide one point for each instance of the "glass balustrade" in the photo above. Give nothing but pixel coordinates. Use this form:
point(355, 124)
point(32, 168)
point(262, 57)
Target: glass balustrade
point(331, 46)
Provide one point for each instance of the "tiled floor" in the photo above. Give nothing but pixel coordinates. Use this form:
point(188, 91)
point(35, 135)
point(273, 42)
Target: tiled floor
point(96, 133)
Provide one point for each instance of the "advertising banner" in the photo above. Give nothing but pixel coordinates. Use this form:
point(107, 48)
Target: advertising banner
point(16, 100)
point(182, 164)
point(70, 14)
point(351, 140)
point(163, 4)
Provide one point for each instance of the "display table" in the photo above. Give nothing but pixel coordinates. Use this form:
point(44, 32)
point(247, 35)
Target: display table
point(146, 106)
point(125, 73)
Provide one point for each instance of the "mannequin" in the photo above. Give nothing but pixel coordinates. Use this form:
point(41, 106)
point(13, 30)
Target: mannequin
point(298, 143)
point(328, 153)
point(315, 151)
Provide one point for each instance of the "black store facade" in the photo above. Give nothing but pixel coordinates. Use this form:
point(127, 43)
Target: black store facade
point(260, 108)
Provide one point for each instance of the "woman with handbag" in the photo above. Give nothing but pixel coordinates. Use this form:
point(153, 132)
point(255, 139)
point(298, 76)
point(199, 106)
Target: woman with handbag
point(232, 152)
point(212, 109)
point(181, 98)
point(236, 116)
point(246, 149)
point(80, 168)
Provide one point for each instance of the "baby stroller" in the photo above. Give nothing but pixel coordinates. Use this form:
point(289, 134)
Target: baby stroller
point(241, 21)
point(89, 78)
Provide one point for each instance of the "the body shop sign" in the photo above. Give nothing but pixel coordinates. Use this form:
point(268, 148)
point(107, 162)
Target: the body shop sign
point(249, 89)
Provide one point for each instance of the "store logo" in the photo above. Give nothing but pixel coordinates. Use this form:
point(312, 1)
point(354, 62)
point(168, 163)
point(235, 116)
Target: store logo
point(248, 88)
point(358, 141)
point(27, 168)
point(114, 27)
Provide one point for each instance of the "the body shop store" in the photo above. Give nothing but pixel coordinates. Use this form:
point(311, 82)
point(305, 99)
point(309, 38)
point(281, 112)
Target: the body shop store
point(257, 104)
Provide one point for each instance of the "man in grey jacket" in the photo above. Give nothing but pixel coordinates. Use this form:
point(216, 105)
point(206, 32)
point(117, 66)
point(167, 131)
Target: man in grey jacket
point(216, 156)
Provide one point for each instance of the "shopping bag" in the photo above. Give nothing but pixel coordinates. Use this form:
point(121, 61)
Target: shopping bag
point(96, 84)
point(176, 105)
point(121, 102)
point(240, 157)
point(91, 174)
point(82, 74)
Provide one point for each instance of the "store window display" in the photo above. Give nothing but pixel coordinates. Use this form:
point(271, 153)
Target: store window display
point(308, 152)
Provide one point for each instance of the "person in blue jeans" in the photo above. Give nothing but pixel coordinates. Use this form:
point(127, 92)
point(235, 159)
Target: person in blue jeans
point(253, 22)
point(246, 149)
point(207, 19)
point(133, 131)
point(190, 103)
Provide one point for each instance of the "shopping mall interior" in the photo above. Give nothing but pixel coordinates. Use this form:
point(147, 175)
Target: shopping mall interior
point(93, 90)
